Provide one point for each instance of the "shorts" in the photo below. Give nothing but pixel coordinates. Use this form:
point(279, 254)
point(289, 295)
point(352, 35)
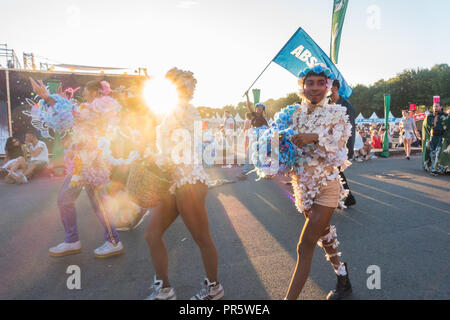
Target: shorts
point(409, 135)
point(329, 195)
point(187, 174)
point(10, 162)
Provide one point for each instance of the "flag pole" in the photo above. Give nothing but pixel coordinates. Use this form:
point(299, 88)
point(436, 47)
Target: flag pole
point(257, 78)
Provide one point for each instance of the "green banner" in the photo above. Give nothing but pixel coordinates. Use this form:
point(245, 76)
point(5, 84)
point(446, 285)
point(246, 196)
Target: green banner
point(53, 85)
point(256, 95)
point(339, 9)
point(387, 107)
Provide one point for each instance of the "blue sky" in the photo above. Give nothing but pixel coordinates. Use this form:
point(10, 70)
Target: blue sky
point(228, 43)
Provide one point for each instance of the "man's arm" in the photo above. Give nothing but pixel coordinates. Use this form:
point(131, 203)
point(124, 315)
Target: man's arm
point(40, 89)
point(249, 107)
point(35, 153)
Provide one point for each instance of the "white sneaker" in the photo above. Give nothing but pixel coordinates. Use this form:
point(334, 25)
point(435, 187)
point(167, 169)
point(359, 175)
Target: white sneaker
point(210, 291)
point(20, 178)
point(227, 166)
point(160, 293)
point(108, 249)
point(64, 249)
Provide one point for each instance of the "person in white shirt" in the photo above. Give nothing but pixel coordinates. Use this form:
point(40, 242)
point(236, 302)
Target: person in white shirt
point(229, 124)
point(38, 152)
point(228, 127)
point(359, 147)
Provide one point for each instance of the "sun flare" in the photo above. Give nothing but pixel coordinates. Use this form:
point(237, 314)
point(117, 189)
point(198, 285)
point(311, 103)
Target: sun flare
point(161, 95)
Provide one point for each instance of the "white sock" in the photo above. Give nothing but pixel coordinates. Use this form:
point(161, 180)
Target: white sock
point(340, 271)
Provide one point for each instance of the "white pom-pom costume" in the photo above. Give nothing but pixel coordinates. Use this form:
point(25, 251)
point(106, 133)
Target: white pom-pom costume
point(177, 152)
point(326, 156)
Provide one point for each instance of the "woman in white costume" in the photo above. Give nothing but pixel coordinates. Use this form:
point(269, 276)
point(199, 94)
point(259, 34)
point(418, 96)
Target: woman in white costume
point(186, 196)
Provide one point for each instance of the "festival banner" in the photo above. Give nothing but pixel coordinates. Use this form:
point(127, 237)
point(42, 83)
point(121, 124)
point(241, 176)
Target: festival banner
point(339, 9)
point(301, 51)
point(420, 116)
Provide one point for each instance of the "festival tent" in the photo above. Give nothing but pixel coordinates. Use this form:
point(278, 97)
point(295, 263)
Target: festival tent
point(238, 118)
point(374, 118)
point(392, 118)
point(219, 118)
point(360, 118)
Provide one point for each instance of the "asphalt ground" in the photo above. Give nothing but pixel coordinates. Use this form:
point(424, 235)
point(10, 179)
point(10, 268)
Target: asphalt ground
point(400, 223)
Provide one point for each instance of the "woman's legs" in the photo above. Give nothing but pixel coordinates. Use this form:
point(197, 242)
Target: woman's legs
point(19, 164)
point(407, 145)
point(190, 201)
point(316, 224)
point(160, 219)
point(329, 244)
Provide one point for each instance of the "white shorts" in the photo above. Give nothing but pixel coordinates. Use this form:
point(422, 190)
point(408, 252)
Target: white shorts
point(10, 162)
point(409, 135)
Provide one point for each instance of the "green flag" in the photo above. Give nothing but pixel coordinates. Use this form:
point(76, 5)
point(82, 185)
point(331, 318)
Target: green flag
point(256, 95)
point(387, 107)
point(53, 85)
point(339, 9)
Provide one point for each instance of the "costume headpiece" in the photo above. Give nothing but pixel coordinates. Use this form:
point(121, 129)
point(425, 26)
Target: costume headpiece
point(260, 105)
point(319, 69)
point(106, 88)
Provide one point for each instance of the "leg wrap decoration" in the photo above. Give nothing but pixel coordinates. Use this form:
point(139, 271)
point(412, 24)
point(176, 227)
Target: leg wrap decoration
point(330, 241)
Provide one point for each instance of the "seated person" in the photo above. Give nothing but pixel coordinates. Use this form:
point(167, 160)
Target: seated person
point(359, 147)
point(375, 140)
point(38, 154)
point(367, 148)
point(14, 164)
point(382, 137)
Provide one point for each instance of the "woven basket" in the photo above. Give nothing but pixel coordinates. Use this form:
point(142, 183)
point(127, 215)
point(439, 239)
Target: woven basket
point(147, 184)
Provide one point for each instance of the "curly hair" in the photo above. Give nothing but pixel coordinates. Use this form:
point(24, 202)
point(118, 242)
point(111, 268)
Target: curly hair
point(184, 81)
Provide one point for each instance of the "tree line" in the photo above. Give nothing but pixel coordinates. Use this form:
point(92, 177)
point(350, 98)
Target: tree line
point(412, 86)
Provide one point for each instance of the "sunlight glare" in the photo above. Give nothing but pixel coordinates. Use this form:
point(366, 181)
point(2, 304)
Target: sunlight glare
point(161, 95)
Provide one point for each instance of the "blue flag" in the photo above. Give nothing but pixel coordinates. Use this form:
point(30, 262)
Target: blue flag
point(301, 52)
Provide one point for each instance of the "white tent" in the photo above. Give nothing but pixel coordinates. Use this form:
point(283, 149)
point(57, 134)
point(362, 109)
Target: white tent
point(391, 116)
point(219, 118)
point(374, 116)
point(359, 118)
point(238, 118)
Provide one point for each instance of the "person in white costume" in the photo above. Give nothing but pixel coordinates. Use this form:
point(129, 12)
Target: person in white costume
point(186, 196)
point(317, 133)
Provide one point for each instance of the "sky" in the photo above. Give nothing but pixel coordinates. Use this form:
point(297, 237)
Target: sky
point(228, 43)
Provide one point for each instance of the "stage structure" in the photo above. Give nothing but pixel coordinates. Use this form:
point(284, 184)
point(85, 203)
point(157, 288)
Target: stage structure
point(17, 97)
